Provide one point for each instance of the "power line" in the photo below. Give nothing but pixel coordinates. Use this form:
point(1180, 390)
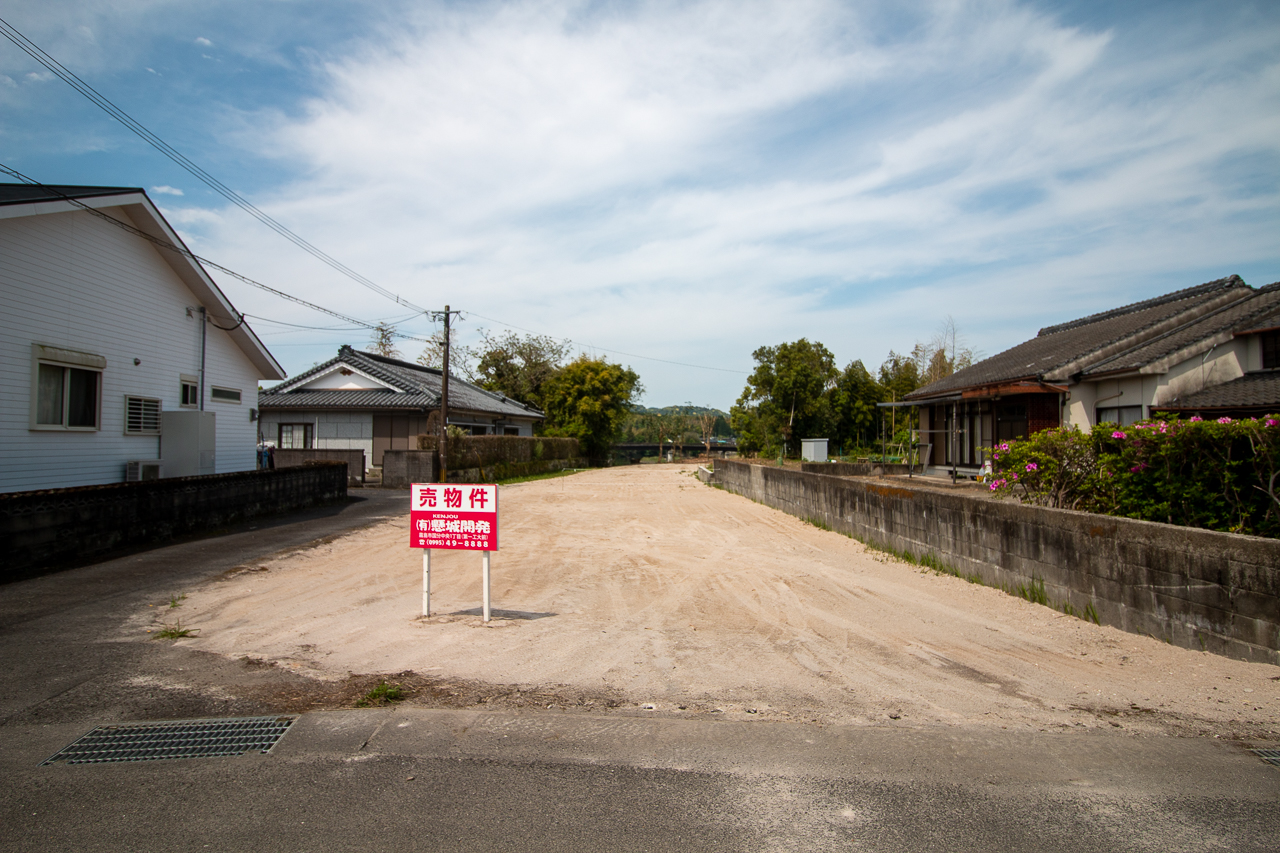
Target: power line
point(35, 52)
point(614, 351)
point(184, 251)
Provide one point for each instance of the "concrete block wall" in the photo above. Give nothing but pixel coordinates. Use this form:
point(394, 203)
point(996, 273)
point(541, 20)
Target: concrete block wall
point(45, 530)
point(1199, 589)
point(402, 468)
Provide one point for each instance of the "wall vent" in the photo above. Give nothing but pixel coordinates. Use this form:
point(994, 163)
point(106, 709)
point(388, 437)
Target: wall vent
point(142, 469)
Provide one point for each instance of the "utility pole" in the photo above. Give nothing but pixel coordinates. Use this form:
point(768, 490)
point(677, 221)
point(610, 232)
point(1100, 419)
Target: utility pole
point(444, 397)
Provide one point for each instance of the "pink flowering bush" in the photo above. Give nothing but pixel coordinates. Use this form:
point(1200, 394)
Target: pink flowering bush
point(1222, 474)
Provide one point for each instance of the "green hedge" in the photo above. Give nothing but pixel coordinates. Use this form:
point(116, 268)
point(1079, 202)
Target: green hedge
point(1219, 475)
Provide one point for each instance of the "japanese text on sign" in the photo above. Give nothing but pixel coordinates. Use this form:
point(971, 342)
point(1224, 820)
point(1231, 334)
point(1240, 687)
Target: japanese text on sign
point(461, 516)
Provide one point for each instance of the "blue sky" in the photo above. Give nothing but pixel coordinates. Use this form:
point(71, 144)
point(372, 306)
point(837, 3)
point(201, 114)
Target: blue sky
point(682, 180)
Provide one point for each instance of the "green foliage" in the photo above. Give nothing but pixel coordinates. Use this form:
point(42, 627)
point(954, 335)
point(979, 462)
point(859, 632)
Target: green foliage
point(853, 403)
point(518, 367)
point(383, 694)
point(588, 400)
point(785, 399)
point(1054, 467)
point(1219, 475)
point(1034, 592)
point(174, 632)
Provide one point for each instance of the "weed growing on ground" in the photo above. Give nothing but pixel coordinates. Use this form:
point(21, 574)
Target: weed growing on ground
point(1033, 592)
point(381, 695)
point(174, 632)
point(176, 600)
point(1091, 614)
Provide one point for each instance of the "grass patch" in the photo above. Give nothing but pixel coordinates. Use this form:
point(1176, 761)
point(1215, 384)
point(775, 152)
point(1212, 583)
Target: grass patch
point(529, 478)
point(1091, 614)
point(1033, 592)
point(175, 632)
point(383, 694)
point(176, 600)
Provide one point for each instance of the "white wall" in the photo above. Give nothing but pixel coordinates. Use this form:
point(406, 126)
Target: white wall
point(333, 430)
point(70, 280)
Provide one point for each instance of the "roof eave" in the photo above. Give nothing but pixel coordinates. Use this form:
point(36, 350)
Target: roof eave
point(142, 214)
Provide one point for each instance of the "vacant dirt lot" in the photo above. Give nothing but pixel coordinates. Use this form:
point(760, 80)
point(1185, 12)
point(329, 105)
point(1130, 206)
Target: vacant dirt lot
point(640, 588)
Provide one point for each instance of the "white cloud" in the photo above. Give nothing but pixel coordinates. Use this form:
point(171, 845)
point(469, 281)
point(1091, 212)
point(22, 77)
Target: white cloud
point(204, 42)
point(694, 180)
point(167, 190)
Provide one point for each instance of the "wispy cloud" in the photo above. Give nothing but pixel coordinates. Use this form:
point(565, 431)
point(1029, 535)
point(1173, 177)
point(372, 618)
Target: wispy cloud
point(167, 190)
point(694, 180)
point(204, 42)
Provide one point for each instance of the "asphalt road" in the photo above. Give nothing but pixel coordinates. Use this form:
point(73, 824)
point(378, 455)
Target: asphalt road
point(424, 779)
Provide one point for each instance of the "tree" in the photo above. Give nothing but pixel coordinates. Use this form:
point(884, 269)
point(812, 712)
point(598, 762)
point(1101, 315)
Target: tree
point(785, 398)
point(853, 403)
point(519, 367)
point(588, 399)
point(706, 420)
point(899, 376)
point(944, 354)
point(461, 358)
point(383, 340)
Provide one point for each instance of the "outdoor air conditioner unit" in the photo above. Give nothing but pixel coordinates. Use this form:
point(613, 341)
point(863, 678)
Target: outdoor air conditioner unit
point(142, 469)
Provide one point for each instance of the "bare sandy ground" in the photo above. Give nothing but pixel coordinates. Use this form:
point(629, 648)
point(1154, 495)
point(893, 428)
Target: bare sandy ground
point(642, 585)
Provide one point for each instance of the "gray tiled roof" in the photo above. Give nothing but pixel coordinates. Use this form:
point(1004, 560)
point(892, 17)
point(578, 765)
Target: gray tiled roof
point(1061, 350)
point(420, 385)
point(349, 399)
point(27, 194)
point(1249, 313)
point(1253, 390)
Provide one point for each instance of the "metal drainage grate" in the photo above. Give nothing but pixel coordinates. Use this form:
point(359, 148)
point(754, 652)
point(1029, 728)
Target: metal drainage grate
point(174, 739)
point(1271, 756)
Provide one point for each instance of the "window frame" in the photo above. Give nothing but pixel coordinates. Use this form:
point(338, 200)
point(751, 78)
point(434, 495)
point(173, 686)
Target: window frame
point(1269, 345)
point(1121, 413)
point(159, 414)
point(213, 395)
point(308, 436)
point(67, 360)
point(185, 379)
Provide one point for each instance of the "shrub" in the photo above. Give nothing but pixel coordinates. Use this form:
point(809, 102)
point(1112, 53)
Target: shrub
point(1219, 475)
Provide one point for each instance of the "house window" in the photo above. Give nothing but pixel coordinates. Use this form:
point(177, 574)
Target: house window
point(295, 436)
point(141, 416)
point(190, 398)
point(1122, 415)
point(225, 395)
point(1270, 350)
point(511, 430)
point(66, 388)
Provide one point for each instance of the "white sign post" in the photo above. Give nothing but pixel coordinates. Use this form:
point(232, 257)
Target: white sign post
point(456, 516)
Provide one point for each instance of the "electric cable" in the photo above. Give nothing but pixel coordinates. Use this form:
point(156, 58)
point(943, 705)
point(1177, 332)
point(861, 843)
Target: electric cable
point(38, 54)
point(185, 252)
point(606, 349)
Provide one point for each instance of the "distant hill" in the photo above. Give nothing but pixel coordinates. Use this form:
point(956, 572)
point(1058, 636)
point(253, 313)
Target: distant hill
point(679, 410)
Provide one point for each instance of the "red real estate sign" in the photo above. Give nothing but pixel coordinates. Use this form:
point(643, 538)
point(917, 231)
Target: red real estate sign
point(460, 516)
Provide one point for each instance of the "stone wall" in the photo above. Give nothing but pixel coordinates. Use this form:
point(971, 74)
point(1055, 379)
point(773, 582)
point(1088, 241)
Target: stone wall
point(1199, 589)
point(402, 468)
point(50, 529)
point(354, 460)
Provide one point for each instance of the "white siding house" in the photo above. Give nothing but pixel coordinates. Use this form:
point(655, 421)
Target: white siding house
point(364, 401)
point(104, 331)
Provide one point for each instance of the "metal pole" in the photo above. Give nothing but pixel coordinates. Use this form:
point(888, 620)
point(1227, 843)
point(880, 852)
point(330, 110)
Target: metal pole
point(486, 586)
point(426, 581)
point(444, 405)
point(204, 337)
